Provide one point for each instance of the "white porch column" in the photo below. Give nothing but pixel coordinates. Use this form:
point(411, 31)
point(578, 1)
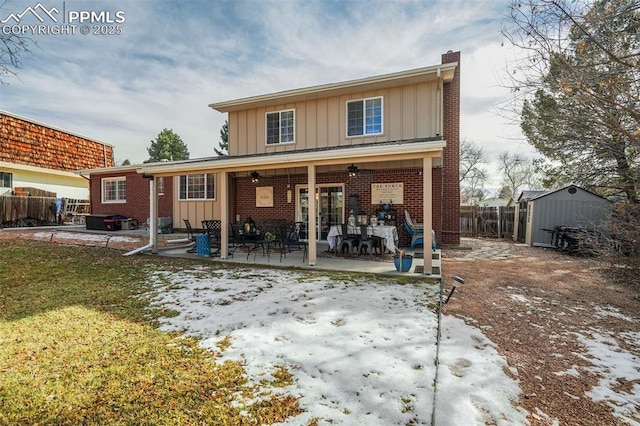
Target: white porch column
point(427, 211)
point(311, 229)
point(223, 188)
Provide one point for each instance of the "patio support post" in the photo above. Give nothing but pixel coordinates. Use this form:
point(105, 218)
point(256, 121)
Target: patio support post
point(427, 212)
point(153, 215)
point(311, 228)
point(224, 213)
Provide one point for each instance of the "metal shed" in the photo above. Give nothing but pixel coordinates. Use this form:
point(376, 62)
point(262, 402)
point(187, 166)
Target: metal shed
point(570, 206)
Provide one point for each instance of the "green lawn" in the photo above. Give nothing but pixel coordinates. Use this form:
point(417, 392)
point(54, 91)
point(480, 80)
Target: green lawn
point(78, 345)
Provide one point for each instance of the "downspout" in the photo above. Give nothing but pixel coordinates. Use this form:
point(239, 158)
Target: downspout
point(153, 225)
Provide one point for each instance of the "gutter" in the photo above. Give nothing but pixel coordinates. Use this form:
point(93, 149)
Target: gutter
point(349, 154)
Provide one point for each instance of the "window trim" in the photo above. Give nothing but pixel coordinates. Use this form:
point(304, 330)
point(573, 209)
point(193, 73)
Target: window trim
point(2, 179)
point(266, 128)
point(119, 199)
point(364, 117)
point(186, 194)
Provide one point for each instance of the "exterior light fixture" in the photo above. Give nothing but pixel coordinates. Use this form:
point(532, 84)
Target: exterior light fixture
point(255, 177)
point(353, 170)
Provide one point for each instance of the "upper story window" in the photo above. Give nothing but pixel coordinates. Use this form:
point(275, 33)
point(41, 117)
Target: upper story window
point(114, 190)
point(280, 127)
point(6, 180)
point(198, 187)
point(364, 117)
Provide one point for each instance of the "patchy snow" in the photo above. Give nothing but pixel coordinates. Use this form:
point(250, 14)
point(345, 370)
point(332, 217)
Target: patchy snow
point(614, 366)
point(361, 352)
point(77, 236)
point(618, 368)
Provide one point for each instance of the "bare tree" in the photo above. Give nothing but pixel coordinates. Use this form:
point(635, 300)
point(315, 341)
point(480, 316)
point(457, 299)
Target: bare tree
point(518, 172)
point(472, 175)
point(12, 46)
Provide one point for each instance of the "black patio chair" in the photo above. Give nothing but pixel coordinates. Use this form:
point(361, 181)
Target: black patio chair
point(348, 241)
point(190, 235)
point(214, 229)
point(289, 236)
point(367, 242)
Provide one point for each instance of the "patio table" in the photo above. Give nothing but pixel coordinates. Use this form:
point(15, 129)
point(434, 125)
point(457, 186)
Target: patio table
point(389, 235)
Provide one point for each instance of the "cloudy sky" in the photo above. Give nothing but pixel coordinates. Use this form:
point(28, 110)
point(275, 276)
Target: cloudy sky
point(173, 58)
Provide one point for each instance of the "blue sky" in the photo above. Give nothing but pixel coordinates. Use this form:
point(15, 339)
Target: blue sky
point(174, 58)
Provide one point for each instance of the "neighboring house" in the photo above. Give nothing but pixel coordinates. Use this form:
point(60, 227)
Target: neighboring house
point(357, 144)
point(496, 202)
point(36, 157)
point(540, 211)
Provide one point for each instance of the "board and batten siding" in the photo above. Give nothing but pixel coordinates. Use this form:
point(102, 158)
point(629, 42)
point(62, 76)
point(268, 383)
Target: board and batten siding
point(194, 210)
point(409, 112)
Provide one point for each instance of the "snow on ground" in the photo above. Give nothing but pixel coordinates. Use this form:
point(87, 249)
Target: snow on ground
point(613, 364)
point(75, 236)
point(362, 352)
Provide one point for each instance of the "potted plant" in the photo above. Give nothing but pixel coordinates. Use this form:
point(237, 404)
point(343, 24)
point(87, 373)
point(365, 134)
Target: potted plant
point(402, 261)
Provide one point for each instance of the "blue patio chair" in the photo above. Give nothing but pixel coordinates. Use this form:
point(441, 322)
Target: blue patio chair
point(415, 230)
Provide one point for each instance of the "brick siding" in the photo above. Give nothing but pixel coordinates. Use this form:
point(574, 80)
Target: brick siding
point(450, 179)
point(137, 204)
point(361, 185)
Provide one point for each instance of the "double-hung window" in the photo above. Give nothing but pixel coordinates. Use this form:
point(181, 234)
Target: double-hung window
point(114, 190)
point(198, 187)
point(280, 127)
point(364, 117)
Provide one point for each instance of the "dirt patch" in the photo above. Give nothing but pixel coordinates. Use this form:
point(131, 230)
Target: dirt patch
point(542, 308)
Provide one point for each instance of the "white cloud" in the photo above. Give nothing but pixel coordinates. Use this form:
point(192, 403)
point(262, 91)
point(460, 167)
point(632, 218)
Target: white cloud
point(174, 59)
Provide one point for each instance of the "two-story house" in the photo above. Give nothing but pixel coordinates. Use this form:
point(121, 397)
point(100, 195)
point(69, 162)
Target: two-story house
point(319, 154)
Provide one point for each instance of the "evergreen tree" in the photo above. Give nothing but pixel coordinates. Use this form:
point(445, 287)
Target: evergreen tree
point(167, 146)
point(224, 140)
point(581, 106)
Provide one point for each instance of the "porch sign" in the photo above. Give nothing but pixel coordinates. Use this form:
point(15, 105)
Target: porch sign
point(264, 196)
point(387, 192)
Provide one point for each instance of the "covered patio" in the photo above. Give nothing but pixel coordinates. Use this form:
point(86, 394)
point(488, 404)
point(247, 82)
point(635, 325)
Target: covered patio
point(310, 168)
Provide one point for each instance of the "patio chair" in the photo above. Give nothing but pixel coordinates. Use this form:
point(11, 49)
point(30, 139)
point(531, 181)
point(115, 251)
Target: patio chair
point(348, 241)
point(235, 238)
point(367, 242)
point(290, 236)
point(415, 230)
point(190, 235)
point(214, 229)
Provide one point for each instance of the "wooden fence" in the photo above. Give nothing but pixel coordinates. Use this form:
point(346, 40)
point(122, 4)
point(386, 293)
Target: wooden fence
point(27, 211)
point(494, 222)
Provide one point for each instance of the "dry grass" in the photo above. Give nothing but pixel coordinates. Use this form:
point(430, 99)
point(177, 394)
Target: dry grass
point(78, 345)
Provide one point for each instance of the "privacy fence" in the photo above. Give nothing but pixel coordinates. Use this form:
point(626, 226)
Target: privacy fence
point(492, 222)
point(36, 211)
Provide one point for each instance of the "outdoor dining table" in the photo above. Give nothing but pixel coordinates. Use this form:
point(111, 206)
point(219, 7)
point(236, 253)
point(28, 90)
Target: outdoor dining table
point(389, 235)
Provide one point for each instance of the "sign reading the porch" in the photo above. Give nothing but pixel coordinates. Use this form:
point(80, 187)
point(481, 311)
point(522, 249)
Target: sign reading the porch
point(387, 193)
point(264, 196)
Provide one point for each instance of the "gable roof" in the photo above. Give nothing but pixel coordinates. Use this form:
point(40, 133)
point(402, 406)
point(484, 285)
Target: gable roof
point(418, 75)
point(535, 195)
point(530, 195)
